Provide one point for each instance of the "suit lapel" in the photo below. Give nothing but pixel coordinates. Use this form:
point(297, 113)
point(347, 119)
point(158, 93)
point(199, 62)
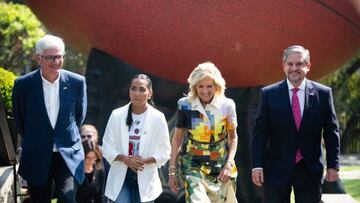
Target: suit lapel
point(39, 95)
point(309, 99)
point(123, 131)
point(309, 94)
point(63, 91)
point(286, 98)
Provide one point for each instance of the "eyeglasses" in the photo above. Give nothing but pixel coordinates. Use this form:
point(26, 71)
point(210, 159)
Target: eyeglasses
point(86, 136)
point(53, 58)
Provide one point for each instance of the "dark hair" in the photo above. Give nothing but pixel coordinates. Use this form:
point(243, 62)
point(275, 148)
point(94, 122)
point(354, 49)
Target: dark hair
point(129, 119)
point(89, 146)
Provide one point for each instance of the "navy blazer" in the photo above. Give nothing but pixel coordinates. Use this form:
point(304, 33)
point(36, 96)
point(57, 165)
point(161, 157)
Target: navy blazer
point(276, 138)
point(38, 136)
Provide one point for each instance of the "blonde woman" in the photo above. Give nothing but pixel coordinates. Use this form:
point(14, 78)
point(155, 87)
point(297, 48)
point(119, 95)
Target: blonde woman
point(205, 139)
point(89, 132)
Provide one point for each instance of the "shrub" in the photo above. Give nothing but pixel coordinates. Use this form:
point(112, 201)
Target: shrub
point(7, 79)
point(19, 31)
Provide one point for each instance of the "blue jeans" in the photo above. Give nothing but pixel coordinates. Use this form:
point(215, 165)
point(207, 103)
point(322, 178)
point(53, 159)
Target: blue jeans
point(130, 189)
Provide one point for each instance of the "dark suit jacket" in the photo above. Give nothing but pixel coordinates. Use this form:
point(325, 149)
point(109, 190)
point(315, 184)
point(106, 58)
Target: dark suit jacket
point(276, 138)
point(38, 136)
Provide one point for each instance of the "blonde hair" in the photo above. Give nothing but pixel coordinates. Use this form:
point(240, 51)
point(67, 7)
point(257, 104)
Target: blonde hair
point(203, 70)
point(95, 138)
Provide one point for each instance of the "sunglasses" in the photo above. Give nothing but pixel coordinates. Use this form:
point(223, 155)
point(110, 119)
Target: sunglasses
point(86, 136)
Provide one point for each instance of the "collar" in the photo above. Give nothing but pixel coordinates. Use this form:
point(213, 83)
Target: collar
point(48, 82)
point(149, 107)
point(216, 101)
point(301, 87)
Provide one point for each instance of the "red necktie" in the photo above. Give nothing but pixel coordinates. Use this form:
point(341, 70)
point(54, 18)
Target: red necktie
point(297, 117)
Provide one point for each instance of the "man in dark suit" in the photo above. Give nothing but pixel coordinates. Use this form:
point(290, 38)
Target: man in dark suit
point(295, 115)
point(49, 105)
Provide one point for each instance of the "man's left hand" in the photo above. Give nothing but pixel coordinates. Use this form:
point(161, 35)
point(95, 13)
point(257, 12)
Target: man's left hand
point(332, 175)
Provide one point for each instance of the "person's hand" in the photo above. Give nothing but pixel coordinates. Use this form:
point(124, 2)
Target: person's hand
point(332, 175)
point(173, 183)
point(134, 162)
point(225, 174)
point(148, 160)
point(257, 176)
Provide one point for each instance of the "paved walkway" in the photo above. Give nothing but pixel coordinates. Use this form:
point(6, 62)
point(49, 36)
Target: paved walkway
point(350, 160)
point(338, 198)
point(346, 175)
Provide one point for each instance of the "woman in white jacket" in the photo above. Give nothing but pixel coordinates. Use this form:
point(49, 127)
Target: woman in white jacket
point(136, 142)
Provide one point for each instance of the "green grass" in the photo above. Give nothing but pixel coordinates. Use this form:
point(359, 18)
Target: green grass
point(352, 187)
point(349, 168)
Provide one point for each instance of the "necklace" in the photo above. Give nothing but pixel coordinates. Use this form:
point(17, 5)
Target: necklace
point(136, 127)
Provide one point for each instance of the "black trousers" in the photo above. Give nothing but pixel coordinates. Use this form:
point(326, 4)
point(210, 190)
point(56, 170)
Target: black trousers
point(306, 189)
point(61, 178)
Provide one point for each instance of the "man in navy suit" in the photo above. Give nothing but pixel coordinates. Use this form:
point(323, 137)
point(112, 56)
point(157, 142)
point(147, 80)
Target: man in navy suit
point(295, 115)
point(49, 105)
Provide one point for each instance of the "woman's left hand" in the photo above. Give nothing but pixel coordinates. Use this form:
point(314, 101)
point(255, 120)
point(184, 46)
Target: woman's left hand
point(225, 174)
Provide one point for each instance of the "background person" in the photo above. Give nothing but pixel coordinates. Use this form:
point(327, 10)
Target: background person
point(206, 132)
point(136, 143)
point(93, 187)
point(89, 132)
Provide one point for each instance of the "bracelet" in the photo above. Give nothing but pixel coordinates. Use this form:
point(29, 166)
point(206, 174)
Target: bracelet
point(231, 162)
point(172, 169)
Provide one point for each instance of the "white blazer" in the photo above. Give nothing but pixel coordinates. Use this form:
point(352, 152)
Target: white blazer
point(154, 142)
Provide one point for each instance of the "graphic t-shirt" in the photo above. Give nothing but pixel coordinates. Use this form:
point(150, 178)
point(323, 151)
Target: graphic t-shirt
point(135, 133)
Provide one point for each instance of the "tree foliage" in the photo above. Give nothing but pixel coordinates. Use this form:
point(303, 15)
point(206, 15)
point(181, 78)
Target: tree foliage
point(19, 31)
point(75, 61)
point(345, 84)
point(7, 79)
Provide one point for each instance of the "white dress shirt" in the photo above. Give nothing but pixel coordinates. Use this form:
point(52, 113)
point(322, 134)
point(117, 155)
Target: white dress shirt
point(52, 100)
point(300, 93)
